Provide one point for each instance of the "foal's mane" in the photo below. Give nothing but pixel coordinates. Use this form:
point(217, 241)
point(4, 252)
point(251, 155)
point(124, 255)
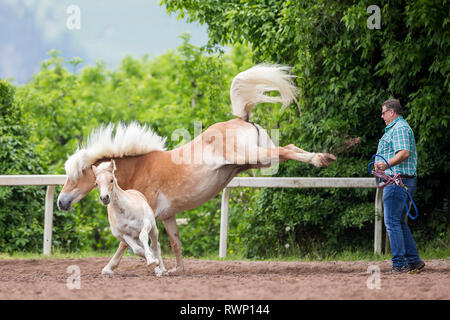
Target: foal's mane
point(129, 140)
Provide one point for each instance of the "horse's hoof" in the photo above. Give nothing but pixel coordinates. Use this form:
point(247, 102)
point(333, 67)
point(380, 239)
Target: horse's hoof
point(107, 272)
point(160, 273)
point(324, 159)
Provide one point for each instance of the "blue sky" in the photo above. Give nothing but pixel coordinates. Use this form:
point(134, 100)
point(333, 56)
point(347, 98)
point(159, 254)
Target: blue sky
point(109, 30)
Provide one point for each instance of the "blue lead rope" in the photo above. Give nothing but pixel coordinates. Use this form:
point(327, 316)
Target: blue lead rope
point(396, 180)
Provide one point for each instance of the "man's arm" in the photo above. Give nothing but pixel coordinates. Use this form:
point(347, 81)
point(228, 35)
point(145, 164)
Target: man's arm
point(395, 160)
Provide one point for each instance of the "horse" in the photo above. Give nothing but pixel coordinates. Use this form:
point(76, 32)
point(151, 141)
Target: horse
point(189, 175)
point(131, 220)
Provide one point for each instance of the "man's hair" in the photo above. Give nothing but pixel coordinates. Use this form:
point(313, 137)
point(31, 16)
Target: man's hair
point(393, 104)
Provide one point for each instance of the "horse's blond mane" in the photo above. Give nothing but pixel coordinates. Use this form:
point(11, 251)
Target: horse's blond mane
point(129, 140)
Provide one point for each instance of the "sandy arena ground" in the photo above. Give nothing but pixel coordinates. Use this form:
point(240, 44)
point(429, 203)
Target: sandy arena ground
point(224, 280)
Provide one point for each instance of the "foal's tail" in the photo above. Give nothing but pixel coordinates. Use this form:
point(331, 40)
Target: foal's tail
point(248, 88)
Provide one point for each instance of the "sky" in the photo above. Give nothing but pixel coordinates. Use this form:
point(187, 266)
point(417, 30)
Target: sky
point(108, 30)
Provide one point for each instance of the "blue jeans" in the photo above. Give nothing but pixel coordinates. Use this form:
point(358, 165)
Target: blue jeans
point(403, 247)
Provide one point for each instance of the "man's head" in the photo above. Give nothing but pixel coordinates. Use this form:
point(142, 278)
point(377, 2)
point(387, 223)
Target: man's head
point(390, 110)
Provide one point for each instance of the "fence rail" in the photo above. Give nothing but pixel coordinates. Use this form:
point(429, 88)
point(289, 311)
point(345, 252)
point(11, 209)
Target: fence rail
point(241, 182)
point(53, 180)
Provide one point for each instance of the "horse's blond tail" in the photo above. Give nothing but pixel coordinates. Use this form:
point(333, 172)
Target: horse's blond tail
point(248, 88)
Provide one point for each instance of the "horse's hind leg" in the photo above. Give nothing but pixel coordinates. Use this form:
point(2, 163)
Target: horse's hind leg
point(172, 229)
point(114, 262)
point(294, 148)
point(291, 152)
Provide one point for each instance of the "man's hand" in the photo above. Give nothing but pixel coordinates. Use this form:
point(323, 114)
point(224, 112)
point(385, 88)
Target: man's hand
point(380, 166)
point(395, 160)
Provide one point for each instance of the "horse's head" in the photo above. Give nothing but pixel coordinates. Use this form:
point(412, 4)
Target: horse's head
point(76, 189)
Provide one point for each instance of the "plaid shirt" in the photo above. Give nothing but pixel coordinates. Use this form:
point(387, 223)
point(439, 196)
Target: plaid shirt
point(399, 136)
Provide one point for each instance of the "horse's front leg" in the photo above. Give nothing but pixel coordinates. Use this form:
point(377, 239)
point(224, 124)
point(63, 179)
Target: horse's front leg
point(115, 260)
point(172, 229)
point(143, 237)
point(156, 250)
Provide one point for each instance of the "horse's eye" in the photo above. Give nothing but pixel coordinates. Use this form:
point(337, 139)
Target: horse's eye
point(112, 180)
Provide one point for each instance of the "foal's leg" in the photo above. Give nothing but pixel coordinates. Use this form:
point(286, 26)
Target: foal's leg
point(143, 237)
point(136, 247)
point(172, 229)
point(114, 262)
point(156, 250)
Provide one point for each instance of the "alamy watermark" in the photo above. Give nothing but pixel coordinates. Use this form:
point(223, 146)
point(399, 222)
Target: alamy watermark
point(374, 280)
point(74, 19)
point(230, 146)
point(74, 280)
point(374, 21)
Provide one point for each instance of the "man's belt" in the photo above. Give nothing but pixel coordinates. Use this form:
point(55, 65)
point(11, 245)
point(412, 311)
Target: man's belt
point(405, 176)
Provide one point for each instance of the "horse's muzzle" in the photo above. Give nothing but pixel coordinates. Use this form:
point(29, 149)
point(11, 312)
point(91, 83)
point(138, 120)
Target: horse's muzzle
point(105, 199)
point(64, 202)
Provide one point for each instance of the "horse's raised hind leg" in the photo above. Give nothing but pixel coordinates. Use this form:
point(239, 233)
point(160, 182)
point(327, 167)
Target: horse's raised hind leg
point(115, 260)
point(172, 229)
point(293, 147)
point(291, 152)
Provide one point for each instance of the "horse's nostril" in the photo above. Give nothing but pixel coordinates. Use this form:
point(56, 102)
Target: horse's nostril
point(104, 199)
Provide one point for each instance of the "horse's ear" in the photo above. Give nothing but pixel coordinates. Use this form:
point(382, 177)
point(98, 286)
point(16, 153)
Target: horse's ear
point(94, 168)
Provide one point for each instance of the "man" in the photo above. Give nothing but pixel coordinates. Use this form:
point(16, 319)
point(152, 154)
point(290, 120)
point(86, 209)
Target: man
point(398, 147)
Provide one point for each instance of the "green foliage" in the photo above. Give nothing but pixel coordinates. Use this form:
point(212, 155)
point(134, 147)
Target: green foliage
point(21, 223)
point(345, 71)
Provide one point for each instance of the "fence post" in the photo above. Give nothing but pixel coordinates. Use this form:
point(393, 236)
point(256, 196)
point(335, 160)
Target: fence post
point(378, 220)
point(224, 223)
point(48, 222)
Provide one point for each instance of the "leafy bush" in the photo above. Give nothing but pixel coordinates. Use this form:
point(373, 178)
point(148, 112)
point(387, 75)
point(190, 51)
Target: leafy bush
point(21, 214)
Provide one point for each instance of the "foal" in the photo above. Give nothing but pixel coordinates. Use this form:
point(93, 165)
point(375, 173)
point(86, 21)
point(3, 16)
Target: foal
point(131, 219)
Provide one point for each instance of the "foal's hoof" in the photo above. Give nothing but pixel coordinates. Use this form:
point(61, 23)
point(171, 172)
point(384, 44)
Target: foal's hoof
point(160, 273)
point(107, 272)
point(324, 159)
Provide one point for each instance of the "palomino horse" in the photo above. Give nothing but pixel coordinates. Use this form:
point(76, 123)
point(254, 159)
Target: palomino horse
point(186, 177)
point(131, 219)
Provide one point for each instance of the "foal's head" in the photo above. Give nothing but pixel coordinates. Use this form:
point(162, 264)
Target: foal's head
point(105, 180)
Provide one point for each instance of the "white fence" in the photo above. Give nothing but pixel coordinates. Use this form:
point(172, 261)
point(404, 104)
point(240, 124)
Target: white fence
point(52, 180)
point(39, 180)
point(242, 182)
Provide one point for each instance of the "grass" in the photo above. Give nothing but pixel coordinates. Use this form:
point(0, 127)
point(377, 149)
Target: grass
point(427, 252)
